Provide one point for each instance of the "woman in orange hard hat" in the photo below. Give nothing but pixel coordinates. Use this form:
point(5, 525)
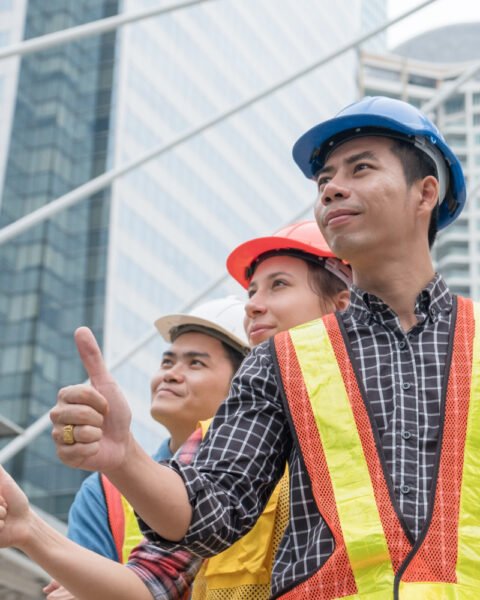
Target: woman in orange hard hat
point(292, 277)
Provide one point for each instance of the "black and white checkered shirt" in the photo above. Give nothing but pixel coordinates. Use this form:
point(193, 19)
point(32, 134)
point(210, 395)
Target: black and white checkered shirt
point(249, 442)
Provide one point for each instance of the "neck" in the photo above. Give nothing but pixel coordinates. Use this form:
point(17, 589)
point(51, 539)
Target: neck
point(178, 438)
point(397, 283)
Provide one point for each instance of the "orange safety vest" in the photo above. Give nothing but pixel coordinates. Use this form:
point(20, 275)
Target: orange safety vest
point(121, 519)
point(373, 559)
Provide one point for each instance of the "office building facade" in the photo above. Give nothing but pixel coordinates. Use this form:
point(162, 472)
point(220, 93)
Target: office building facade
point(159, 235)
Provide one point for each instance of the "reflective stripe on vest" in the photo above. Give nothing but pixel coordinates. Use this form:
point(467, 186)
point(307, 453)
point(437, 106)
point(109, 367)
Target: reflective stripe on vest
point(373, 557)
point(122, 521)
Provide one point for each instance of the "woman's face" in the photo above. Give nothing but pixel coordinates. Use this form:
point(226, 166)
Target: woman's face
point(280, 297)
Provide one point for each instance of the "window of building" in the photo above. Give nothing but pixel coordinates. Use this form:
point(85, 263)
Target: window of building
point(415, 101)
point(458, 271)
point(476, 119)
point(4, 38)
point(421, 80)
point(455, 104)
point(380, 73)
point(456, 121)
point(456, 139)
point(374, 92)
point(454, 248)
point(476, 98)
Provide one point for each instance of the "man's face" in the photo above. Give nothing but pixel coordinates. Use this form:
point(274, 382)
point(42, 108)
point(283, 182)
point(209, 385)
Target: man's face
point(364, 205)
point(192, 381)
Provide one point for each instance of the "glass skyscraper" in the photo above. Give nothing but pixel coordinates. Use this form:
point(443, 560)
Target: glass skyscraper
point(53, 277)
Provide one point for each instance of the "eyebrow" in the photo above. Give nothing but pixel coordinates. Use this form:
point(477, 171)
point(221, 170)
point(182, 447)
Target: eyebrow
point(272, 276)
point(190, 354)
point(350, 160)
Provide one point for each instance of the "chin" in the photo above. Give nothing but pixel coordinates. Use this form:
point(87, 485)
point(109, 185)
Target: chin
point(348, 247)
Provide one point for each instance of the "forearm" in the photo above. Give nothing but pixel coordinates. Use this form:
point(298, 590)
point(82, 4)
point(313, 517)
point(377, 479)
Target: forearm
point(156, 492)
point(86, 575)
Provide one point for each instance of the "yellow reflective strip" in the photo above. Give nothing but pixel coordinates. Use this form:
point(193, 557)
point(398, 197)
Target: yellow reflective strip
point(468, 567)
point(362, 529)
point(133, 536)
point(435, 591)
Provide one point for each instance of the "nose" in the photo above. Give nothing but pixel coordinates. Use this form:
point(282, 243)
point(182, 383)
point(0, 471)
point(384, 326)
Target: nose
point(333, 191)
point(174, 374)
point(255, 306)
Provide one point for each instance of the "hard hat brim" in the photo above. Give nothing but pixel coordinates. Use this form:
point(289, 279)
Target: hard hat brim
point(244, 255)
point(168, 323)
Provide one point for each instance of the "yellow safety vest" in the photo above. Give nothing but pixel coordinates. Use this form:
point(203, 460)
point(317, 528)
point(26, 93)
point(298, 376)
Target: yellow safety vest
point(372, 558)
point(243, 571)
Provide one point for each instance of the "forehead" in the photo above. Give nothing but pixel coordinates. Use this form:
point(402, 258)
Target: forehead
point(379, 146)
point(196, 342)
point(275, 264)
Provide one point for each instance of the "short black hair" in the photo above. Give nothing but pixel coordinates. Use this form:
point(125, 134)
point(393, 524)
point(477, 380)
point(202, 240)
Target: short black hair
point(417, 165)
point(234, 356)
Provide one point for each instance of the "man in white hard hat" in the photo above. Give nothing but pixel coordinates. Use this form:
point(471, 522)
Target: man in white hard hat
point(207, 345)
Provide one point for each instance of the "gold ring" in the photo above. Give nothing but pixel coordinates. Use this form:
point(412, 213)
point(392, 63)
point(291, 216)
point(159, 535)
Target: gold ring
point(68, 435)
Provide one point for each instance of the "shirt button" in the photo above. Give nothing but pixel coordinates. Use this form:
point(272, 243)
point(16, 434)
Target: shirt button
point(405, 489)
point(402, 344)
point(406, 435)
point(406, 386)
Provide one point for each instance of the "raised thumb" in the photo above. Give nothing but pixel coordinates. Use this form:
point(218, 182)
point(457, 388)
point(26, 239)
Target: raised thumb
point(92, 357)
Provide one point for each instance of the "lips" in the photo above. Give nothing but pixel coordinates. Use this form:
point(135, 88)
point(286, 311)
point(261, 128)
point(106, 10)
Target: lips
point(167, 390)
point(338, 215)
point(259, 333)
point(258, 328)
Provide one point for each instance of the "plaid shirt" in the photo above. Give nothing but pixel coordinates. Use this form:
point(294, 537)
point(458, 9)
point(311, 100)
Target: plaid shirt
point(244, 453)
point(168, 575)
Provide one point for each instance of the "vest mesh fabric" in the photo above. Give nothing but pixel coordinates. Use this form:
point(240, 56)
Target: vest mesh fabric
point(436, 558)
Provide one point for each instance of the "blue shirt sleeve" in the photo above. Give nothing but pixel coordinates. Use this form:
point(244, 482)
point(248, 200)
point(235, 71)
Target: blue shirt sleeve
point(88, 519)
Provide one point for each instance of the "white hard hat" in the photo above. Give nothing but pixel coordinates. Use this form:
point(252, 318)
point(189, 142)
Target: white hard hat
point(222, 319)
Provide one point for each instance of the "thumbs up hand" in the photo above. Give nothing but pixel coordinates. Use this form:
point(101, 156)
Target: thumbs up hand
point(91, 423)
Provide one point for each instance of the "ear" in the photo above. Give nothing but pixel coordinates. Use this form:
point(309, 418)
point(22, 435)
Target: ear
point(429, 189)
point(342, 300)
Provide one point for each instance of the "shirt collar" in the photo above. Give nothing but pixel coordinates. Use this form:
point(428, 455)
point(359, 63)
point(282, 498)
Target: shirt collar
point(432, 301)
point(163, 452)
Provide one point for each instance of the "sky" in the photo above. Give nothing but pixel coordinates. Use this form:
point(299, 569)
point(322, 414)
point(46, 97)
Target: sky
point(437, 14)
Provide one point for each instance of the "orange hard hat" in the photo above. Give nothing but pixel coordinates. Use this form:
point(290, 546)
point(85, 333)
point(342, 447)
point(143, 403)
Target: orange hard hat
point(304, 237)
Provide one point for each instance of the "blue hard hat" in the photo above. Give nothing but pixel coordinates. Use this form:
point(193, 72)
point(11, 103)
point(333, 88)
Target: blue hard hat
point(379, 115)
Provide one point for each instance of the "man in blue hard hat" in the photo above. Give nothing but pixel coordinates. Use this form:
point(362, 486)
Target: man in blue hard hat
point(375, 409)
